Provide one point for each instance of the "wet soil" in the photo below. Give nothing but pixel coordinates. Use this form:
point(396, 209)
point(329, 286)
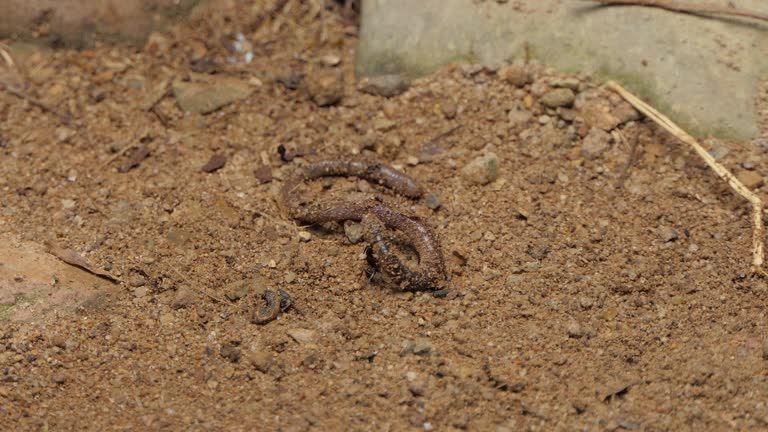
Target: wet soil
point(585, 293)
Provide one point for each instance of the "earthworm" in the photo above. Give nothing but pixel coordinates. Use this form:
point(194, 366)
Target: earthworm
point(431, 269)
point(273, 306)
point(375, 216)
point(373, 172)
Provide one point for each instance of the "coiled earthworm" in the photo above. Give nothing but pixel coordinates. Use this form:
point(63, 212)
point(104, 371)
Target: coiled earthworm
point(376, 216)
point(272, 307)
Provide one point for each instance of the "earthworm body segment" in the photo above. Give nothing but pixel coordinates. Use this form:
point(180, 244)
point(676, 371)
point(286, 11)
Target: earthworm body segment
point(376, 217)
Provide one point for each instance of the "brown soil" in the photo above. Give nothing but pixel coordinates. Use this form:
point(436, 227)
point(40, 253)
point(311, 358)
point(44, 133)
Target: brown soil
point(577, 300)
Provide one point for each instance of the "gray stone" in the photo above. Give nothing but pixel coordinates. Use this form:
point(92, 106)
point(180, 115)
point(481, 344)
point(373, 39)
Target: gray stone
point(238, 289)
point(417, 383)
point(701, 71)
point(262, 361)
point(482, 170)
point(515, 75)
point(667, 233)
point(432, 201)
point(388, 85)
point(718, 150)
point(750, 179)
point(560, 97)
point(422, 346)
point(354, 231)
point(325, 86)
point(595, 143)
point(519, 117)
point(302, 335)
point(231, 352)
point(597, 113)
point(575, 330)
point(185, 297)
point(205, 94)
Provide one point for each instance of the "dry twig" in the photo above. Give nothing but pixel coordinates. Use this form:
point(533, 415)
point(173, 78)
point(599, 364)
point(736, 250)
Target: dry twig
point(17, 90)
point(689, 8)
point(758, 230)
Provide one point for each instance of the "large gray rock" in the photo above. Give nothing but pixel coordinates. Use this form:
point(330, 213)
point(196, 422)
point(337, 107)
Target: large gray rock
point(702, 71)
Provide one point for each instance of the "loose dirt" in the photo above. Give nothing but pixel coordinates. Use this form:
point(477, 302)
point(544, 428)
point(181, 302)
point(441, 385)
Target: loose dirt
point(584, 292)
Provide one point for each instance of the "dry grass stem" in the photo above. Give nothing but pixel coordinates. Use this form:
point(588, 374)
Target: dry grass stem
point(757, 204)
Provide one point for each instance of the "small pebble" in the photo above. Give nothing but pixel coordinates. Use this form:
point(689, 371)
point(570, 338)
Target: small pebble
point(215, 163)
point(59, 378)
point(230, 352)
point(432, 201)
point(385, 85)
point(261, 360)
point(559, 97)
point(569, 83)
point(290, 277)
point(330, 60)
point(422, 346)
point(140, 292)
point(750, 179)
point(482, 170)
point(59, 341)
point(237, 290)
point(354, 231)
point(441, 293)
point(515, 75)
point(417, 383)
point(539, 250)
point(137, 281)
point(471, 69)
point(305, 236)
point(185, 297)
point(302, 336)
point(667, 233)
point(389, 109)
point(384, 125)
point(325, 87)
point(263, 174)
point(575, 330)
point(718, 150)
point(595, 143)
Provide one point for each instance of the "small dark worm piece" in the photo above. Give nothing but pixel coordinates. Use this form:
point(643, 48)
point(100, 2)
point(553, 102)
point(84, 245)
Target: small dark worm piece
point(382, 174)
point(376, 216)
point(273, 306)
